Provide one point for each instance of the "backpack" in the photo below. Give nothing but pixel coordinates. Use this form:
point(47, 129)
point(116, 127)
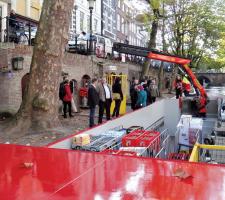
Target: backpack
point(61, 91)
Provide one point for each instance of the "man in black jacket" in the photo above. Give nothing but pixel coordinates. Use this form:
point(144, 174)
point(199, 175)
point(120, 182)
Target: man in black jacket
point(93, 100)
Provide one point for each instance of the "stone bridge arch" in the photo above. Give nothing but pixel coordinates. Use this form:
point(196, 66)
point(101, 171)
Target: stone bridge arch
point(204, 79)
point(214, 78)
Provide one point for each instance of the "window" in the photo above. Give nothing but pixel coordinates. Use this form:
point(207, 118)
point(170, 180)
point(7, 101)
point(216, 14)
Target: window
point(123, 25)
point(118, 22)
point(109, 25)
point(126, 28)
point(122, 6)
point(95, 6)
point(81, 21)
point(95, 25)
point(1, 11)
point(88, 23)
point(119, 3)
point(102, 40)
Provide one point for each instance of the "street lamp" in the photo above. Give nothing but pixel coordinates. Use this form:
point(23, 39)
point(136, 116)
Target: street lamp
point(91, 7)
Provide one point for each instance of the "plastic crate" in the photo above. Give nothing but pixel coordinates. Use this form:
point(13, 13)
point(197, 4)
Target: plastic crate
point(148, 138)
point(139, 151)
point(116, 133)
point(134, 128)
point(102, 144)
point(140, 138)
point(131, 139)
point(82, 147)
point(179, 156)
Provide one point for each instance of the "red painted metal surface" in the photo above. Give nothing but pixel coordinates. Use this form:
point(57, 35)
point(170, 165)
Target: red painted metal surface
point(168, 58)
point(68, 175)
point(119, 152)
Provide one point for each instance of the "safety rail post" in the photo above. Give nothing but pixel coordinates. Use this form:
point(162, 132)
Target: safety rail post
point(105, 56)
point(94, 50)
point(87, 47)
point(76, 47)
point(195, 154)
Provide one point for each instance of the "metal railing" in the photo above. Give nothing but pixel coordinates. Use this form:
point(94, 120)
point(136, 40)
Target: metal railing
point(208, 154)
point(82, 46)
point(156, 125)
point(159, 147)
point(12, 30)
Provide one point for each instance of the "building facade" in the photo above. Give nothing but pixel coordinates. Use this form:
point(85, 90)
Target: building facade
point(4, 8)
point(81, 18)
point(114, 19)
point(4, 11)
point(27, 8)
point(109, 9)
point(128, 29)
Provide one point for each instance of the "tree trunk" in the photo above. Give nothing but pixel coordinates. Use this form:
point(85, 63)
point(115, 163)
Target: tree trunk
point(152, 44)
point(161, 70)
point(161, 78)
point(39, 108)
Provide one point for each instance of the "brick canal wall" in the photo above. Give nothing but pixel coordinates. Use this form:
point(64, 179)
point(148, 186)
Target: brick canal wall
point(73, 64)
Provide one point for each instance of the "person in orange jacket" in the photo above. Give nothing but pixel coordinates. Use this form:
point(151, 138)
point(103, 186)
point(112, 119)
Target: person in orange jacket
point(178, 87)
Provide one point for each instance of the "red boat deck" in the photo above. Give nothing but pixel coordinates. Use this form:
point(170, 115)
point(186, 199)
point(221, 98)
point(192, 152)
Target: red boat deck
point(68, 175)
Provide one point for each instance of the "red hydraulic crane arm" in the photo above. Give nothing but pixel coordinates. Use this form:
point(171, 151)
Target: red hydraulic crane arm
point(194, 80)
point(183, 62)
point(157, 55)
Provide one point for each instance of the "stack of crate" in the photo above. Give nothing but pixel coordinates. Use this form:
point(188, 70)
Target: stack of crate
point(148, 142)
point(141, 138)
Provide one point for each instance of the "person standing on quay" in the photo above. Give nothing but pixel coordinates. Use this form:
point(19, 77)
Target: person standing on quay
point(105, 99)
point(67, 99)
point(178, 87)
point(154, 91)
point(117, 96)
point(133, 93)
point(142, 97)
point(93, 100)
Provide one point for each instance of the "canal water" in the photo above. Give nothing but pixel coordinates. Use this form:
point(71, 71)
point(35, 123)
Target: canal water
point(216, 92)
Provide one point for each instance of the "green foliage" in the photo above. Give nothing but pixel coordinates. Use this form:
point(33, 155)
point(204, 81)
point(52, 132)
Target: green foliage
point(194, 29)
point(155, 4)
point(221, 52)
